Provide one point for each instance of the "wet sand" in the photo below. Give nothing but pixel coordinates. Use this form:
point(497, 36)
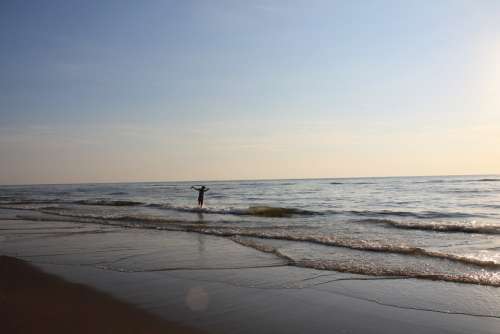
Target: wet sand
point(216, 285)
point(36, 302)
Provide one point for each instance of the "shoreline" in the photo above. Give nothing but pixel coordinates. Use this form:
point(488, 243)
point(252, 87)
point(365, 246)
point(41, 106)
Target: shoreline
point(36, 302)
point(213, 284)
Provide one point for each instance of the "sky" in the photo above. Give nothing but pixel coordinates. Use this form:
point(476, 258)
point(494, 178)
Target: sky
point(119, 91)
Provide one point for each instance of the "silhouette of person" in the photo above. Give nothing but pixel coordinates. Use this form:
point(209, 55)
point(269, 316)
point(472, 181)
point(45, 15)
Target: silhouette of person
point(201, 193)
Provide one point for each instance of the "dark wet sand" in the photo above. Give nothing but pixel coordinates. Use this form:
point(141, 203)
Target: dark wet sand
point(35, 302)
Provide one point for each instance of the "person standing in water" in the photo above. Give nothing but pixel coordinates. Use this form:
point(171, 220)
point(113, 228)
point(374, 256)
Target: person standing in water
point(201, 194)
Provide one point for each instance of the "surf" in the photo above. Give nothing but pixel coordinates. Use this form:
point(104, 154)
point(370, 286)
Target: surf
point(451, 227)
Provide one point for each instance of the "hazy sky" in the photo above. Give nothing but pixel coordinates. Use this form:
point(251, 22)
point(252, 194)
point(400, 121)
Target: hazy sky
point(177, 90)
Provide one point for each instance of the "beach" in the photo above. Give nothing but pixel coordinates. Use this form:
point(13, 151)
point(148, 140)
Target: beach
point(213, 284)
point(36, 302)
point(434, 228)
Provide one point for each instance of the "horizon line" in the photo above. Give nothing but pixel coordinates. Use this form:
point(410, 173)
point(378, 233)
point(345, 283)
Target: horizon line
point(236, 180)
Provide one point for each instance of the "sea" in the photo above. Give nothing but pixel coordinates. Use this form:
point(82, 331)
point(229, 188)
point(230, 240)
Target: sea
point(444, 228)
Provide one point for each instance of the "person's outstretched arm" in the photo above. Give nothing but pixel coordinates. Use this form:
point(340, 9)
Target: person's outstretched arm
point(207, 189)
point(193, 187)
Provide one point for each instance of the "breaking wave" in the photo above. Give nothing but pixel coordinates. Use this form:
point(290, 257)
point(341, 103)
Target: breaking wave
point(420, 215)
point(269, 211)
point(488, 270)
point(357, 244)
point(265, 211)
point(283, 212)
point(463, 227)
point(278, 234)
point(483, 277)
point(259, 211)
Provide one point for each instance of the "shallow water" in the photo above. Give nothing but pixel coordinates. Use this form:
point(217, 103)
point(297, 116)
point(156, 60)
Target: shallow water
point(439, 228)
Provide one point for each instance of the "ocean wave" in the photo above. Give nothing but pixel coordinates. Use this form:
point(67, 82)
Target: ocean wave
point(105, 202)
point(22, 201)
point(327, 240)
point(218, 196)
point(466, 191)
point(222, 230)
point(283, 212)
point(7, 198)
point(265, 211)
point(259, 211)
point(84, 190)
point(420, 215)
point(71, 212)
point(460, 180)
point(490, 206)
point(357, 244)
point(190, 209)
point(432, 181)
point(463, 227)
point(482, 277)
point(269, 211)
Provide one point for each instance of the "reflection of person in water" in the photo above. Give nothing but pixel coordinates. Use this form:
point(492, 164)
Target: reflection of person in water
point(201, 193)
